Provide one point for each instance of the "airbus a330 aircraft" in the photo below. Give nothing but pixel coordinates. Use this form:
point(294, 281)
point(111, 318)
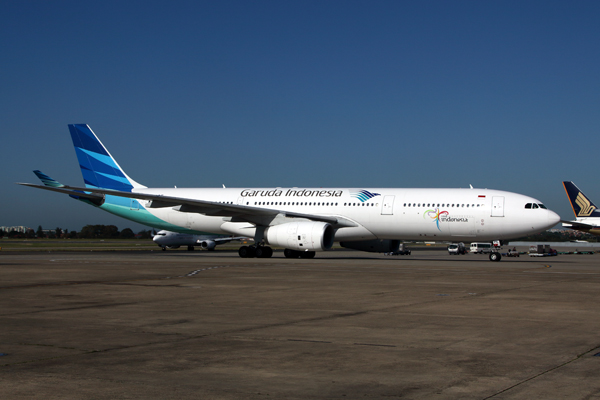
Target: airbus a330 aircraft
point(586, 213)
point(173, 240)
point(305, 220)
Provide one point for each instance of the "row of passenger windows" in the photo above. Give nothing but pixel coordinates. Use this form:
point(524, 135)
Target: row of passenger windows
point(441, 205)
point(309, 203)
point(292, 203)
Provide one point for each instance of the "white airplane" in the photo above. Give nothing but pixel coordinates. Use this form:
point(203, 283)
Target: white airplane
point(173, 240)
point(305, 220)
point(587, 216)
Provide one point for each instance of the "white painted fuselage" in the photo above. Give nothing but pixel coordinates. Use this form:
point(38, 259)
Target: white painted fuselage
point(409, 214)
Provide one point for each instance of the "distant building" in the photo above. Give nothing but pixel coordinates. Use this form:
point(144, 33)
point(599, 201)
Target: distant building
point(21, 229)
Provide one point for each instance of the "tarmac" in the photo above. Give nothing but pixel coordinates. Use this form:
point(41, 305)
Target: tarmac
point(345, 325)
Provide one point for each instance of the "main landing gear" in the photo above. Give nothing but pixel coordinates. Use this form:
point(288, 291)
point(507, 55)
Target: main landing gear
point(298, 254)
point(255, 251)
point(495, 256)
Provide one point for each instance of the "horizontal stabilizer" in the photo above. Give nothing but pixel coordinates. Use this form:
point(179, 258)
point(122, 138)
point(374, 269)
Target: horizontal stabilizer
point(67, 190)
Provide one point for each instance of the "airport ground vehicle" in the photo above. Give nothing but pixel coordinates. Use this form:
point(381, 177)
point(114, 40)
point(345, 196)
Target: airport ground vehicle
point(512, 253)
point(481, 248)
point(457, 248)
point(542, 250)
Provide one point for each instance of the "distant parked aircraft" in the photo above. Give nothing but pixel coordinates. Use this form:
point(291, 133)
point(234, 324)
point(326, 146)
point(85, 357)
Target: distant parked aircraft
point(173, 240)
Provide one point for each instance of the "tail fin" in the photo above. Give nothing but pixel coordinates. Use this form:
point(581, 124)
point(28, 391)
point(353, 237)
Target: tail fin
point(582, 206)
point(98, 167)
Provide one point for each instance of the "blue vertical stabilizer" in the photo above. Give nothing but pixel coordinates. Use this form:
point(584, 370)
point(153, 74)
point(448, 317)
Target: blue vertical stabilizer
point(98, 167)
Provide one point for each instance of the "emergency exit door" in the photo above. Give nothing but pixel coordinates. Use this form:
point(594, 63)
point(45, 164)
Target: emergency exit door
point(387, 208)
point(497, 206)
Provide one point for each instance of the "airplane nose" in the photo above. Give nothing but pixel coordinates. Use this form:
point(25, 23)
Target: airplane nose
point(553, 218)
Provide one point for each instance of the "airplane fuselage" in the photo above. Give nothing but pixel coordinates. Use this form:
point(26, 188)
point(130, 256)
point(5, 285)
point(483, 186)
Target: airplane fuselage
point(409, 214)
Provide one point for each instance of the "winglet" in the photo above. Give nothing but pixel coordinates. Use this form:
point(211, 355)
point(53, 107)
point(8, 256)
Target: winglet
point(46, 180)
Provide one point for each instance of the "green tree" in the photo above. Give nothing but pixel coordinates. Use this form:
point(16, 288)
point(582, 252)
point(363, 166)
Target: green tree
point(110, 232)
point(127, 234)
point(145, 234)
point(40, 232)
point(58, 232)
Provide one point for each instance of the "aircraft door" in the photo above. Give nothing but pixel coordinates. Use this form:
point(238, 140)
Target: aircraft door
point(240, 201)
point(497, 206)
point(387, 208)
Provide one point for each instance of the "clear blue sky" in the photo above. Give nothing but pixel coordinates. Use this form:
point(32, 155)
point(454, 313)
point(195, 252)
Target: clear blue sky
point(497, 94)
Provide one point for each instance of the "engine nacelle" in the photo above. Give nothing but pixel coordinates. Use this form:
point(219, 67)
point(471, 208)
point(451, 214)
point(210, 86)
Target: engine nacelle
point(208, 244)
point(373, 246)
point(303, 236)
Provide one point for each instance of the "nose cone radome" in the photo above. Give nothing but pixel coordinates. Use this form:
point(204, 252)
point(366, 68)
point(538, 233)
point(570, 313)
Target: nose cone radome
point(553, 218)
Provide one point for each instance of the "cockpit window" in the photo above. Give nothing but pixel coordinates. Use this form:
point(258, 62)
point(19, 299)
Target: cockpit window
point(534, 205)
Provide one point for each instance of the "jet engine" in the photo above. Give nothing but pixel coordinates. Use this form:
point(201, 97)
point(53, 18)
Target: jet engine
point(304, 235)
point(208, 244)
point(373, 246)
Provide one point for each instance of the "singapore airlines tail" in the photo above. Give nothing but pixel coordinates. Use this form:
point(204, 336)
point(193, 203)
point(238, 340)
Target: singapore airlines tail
point(586, 213)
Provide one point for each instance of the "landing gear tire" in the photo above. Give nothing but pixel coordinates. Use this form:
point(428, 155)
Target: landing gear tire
point(495, 256)
point(264, 252)
point(290, 253)
point(307, 254)
point(245, 252)
point(259, 252)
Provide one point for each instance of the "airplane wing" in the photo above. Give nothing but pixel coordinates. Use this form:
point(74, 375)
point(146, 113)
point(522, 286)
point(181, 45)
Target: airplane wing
point(238, 213)
point(579, 226)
